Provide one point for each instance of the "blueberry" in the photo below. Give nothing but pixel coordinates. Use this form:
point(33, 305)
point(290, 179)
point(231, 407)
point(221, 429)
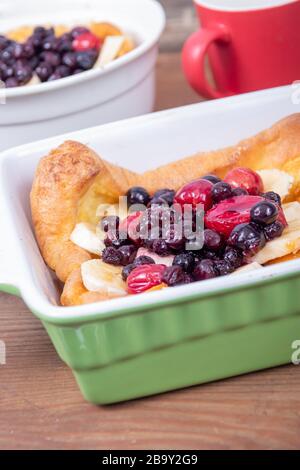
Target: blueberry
point(163, 196)
point(61, 71)
point(44, 70)
point(51, 43)
point(22, 72)
point(205, 269)
point(209, 254)
point(116, 239)
point(137, 195)
point(65, 44)
point(78, 30)
point(186, 261)
point(221, 191)
point(37, 39)
point(239, 192)
point(69, 59)
point(17, 51)
point(223, 267)
point(272, 196)
point(110, 222)
point(11, 82)
point(111, 255)
point(76, 71)
point(128, 253)
point(52, 58)
point(85, 60)
point(212, 178)
point(33, 62)
point(212, 240)
point(233, 256)
point(174, 238)
point(28, 50)
point(40, 31)
point(141, 260)
point(174, 276)
point(274, 230)
point(248, 238)
point(160, 247)
point(127, 270)
point(6, 71)
point(4, 42)
point(6, 56)
point(264, 213)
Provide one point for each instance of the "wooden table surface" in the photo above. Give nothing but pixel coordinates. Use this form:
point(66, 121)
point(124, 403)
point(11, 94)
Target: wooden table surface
point(41, 407)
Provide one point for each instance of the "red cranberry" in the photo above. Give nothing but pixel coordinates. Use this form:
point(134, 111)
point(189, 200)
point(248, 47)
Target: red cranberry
point(245, 178)
point(196, 192)
point(86, 41)
point(130, 225)
point(145, 277)
point(227, 214)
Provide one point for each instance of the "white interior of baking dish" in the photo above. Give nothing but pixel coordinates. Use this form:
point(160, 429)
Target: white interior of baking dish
point(138, 144)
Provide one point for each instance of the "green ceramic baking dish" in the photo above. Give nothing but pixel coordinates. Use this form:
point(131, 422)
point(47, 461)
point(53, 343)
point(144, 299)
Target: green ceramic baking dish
point(142, 345)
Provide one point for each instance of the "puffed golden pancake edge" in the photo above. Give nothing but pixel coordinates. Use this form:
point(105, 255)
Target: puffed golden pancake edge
point(67, 173)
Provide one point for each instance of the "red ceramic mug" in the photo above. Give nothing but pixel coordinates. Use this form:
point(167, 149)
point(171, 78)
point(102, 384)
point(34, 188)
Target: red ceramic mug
point(251, 44)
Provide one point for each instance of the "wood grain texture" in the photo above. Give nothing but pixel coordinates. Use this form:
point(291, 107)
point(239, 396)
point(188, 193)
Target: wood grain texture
point(41, 407)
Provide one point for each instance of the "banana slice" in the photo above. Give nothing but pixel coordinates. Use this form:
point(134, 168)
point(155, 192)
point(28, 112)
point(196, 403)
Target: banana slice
point(85, 236)
point(276, 180)
point(110, 50)
point(98, 276)
point(247, 268)
point(289, 242)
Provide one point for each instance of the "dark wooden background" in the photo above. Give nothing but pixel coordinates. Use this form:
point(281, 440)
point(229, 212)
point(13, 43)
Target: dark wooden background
point(41, 407)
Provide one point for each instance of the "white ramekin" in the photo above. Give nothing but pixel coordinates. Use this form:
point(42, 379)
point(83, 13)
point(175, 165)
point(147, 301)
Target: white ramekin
point(124, 88)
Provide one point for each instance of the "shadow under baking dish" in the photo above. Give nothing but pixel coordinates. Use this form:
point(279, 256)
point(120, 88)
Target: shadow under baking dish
point(141, 345)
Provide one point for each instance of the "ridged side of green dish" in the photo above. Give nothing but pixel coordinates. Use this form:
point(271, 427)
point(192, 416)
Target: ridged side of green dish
point(187, 343)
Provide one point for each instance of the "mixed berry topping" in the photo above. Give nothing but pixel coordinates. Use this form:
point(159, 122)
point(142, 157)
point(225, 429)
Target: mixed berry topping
point(47, 56)
point(206, 229)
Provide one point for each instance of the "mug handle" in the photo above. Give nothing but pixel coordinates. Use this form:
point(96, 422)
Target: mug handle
point(193, 59)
